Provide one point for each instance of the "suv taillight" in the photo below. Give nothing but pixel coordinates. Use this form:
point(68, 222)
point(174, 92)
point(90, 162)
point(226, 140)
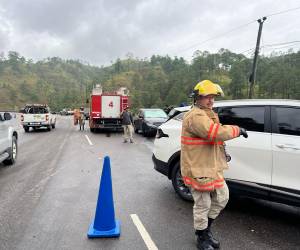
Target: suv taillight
point(22, 118)
point(47, 117)
point(160, 134)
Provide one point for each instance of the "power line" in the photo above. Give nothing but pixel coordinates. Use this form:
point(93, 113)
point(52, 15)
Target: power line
point(248, 51)
point(283, 47)
point(284, 11)
point(217, 36)
point(276, 44)
point(234, 29)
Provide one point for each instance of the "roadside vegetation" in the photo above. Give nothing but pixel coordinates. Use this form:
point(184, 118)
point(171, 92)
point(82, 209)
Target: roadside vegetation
point(153, 82)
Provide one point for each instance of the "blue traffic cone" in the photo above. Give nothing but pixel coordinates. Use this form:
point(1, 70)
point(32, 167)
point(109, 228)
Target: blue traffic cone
point(105, 224)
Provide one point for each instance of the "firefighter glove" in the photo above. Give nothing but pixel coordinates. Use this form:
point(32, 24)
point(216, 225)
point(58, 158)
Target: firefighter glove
point(243, 132)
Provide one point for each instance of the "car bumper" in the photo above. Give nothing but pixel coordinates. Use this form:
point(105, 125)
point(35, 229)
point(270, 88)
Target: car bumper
point(36, 124)
point(160, 166)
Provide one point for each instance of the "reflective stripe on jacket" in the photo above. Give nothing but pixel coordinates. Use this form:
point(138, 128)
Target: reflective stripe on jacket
point(202, 149)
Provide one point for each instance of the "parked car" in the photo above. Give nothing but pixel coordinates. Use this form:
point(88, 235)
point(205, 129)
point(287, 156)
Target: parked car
point(177, 110)
point(265, 165)
point(148, 120)
point(8, 138)
point(63, 112)
point(70, 112)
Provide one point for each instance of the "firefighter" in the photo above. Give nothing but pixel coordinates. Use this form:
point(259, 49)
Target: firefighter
point(203, 160)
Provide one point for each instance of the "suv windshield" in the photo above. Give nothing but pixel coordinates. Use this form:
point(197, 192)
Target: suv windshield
point(155, 114)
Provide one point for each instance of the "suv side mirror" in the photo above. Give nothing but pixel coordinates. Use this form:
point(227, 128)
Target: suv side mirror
point(7, 116)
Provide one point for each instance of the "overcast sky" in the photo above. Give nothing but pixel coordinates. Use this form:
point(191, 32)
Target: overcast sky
point(100, 31)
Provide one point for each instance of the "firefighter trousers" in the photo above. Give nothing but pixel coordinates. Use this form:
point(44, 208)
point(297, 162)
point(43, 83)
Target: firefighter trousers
point(208, 205)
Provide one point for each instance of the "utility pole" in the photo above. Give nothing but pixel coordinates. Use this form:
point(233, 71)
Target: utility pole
point(254, 66)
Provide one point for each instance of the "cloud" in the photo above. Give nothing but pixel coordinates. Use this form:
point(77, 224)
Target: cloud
point(101, 31)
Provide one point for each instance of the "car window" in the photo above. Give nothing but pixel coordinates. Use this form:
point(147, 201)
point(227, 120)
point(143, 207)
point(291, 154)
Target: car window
point(172, 112)
point(180, 116)
point(250, 118)
point(287, 121)
point(36, 110)
point(155, 113)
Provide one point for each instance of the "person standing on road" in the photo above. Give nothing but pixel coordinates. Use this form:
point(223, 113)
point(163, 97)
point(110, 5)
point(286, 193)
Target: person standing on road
point(81, 119)
point(203, 160)
point(127, 122)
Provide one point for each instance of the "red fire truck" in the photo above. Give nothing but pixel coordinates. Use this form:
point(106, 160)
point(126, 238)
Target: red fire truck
point(106, 108)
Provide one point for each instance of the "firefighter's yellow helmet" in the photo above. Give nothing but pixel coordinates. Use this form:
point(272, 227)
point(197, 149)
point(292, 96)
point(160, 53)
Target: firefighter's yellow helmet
point(207, 87)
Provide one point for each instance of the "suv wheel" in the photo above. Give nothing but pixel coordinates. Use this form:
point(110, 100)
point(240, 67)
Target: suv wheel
point(136, 130)
point(181, 189)
point(26, 129)
point(12, 153)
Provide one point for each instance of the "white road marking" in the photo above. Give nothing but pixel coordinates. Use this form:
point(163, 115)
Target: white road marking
point(146, 237)
point(88, 139)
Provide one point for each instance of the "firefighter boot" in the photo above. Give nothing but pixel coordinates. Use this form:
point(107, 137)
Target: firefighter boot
point(203, 242)
point(214, 242)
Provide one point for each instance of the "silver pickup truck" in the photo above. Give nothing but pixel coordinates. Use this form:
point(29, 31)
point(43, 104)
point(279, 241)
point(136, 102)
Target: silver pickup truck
point(8, 138)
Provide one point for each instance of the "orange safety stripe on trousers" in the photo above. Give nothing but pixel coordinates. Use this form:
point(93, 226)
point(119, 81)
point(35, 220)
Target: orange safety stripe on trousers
point(207, 186)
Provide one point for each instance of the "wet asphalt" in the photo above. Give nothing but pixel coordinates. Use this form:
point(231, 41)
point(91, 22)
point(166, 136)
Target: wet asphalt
point(48, 198)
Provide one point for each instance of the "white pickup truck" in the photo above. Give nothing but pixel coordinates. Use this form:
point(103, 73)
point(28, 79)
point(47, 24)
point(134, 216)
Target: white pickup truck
point(8, 138)
point(37, 116)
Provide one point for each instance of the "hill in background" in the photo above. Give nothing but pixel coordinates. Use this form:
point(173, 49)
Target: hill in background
point(154, 82)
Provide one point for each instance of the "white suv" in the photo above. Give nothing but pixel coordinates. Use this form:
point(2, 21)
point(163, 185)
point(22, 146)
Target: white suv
point(8, 138)
point(265, 165)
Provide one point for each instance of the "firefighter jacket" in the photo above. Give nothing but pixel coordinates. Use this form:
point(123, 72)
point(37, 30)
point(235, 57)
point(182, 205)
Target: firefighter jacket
point(202, 148)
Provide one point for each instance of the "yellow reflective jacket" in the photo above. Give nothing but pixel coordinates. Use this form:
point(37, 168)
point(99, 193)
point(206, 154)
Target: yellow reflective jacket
point(202, 148)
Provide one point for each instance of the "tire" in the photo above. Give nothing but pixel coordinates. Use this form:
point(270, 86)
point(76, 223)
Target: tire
point(92, 130)
point(144, 133)
point(49, 128)
point(136, 130)
point(13, 152)
point(26, 129)
point(180, 188)
point(53, 125)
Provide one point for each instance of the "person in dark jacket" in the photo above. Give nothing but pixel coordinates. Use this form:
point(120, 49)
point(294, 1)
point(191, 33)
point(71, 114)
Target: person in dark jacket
point(127, 122)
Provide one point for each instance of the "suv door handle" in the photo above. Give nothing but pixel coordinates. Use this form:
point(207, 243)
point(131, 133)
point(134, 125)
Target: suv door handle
point(287, 146)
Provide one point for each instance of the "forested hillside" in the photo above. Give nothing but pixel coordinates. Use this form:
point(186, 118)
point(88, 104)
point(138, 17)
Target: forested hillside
point(154, 82)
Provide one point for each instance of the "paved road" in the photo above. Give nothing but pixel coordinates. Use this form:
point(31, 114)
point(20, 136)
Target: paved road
point(48, 199)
